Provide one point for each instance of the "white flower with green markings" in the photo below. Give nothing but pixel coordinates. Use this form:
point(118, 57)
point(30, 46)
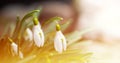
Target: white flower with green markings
point(60, 44)
point(38, 35)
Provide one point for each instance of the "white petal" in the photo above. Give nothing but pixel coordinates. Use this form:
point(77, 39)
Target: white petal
point(64, 44)
point(58, 42)
point(28, 35)
point(42, 37)
point(15, 48)
point(37, 39)
point(37, 27)
point(21, 55)
point(38, 36)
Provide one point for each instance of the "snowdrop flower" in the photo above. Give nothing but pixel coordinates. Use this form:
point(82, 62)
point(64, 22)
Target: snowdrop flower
point(38, 35)
point(59, 41)
point(28, 35)
point(15, 48)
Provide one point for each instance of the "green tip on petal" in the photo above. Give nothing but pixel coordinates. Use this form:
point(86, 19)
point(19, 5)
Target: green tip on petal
point(57, 27)
point(35, 21)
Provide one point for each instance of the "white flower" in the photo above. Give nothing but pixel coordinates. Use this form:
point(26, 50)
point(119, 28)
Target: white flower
point(28, 35)
point(38, 35)
point(60, 44)
point(15, 50)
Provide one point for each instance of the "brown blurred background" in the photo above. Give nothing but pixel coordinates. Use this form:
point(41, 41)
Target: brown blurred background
point(4, 3)
point(50, 8)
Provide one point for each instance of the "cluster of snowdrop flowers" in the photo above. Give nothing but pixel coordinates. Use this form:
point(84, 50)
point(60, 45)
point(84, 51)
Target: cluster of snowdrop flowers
point(38, 36)
point(35, 34)
point(29, 41)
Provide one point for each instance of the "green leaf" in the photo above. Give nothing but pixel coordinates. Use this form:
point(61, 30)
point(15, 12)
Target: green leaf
point(66, 25)
point(54, 19)
point(52, 25)
point(30, 15)
point(77, 35)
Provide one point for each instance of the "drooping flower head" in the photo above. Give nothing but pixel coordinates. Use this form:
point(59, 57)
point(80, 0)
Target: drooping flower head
point(14, 48)
point(28, 35)
point(60, 44)
point(38, 35)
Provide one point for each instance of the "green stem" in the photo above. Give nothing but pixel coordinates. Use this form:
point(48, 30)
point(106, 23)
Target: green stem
point(16, 27)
